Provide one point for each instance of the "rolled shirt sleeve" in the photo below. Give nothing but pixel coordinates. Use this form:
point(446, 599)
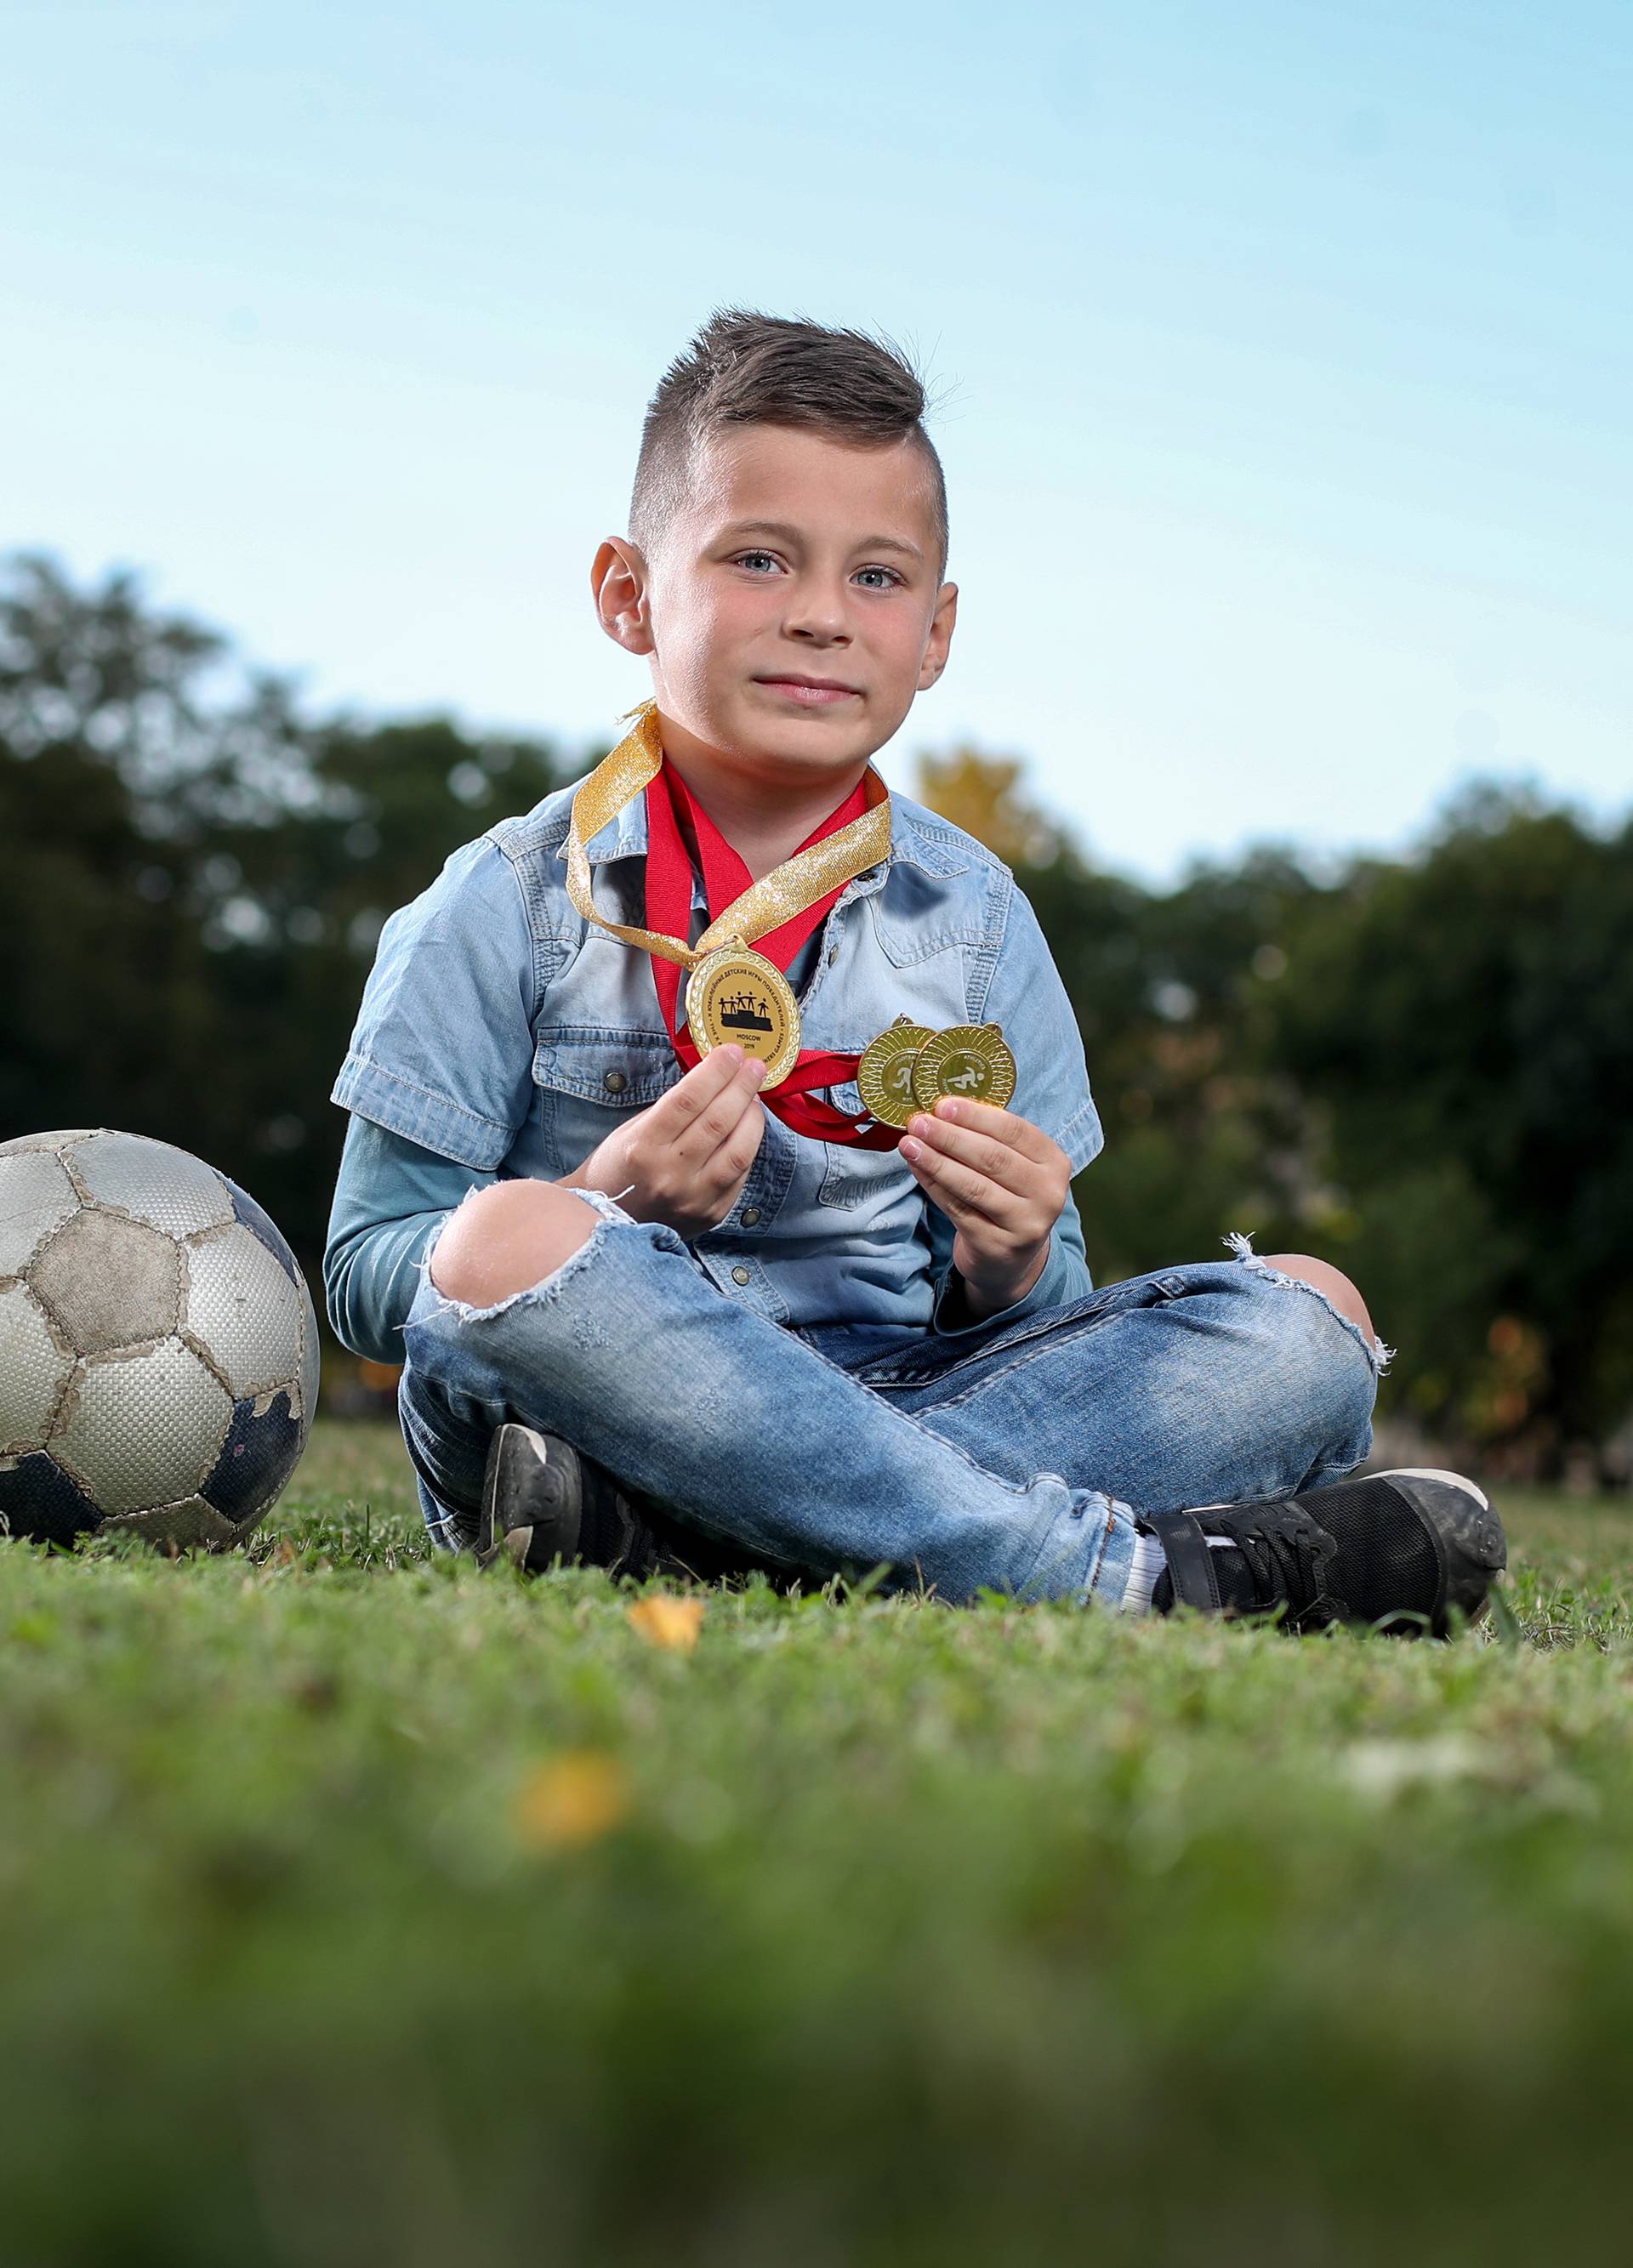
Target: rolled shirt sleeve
point(449, 1004)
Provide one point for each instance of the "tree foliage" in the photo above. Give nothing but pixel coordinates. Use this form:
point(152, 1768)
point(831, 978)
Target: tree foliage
point(197, 881)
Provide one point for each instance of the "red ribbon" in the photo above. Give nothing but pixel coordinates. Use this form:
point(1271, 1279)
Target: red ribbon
point(725, 877)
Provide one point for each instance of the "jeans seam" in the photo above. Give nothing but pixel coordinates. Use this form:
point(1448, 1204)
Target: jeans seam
point(1033, 1327)
point(1024, 1349)
point(1024, 1582)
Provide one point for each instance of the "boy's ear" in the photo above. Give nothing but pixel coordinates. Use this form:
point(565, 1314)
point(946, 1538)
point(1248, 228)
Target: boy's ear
point(618, 581)
point(942, 623)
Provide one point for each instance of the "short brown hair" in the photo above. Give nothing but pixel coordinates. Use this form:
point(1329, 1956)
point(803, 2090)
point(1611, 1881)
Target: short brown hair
point(744, 368)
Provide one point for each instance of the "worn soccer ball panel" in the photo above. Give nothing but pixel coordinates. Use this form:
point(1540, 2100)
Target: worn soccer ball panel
point(168, 1187)
point(38, 1500)
point(259, 1225)
point(144, 1429)
point(242, 1312)
point(36, 1197)
point(21, 1144)
point(187, 1524)
point(108, 1282)
point(34, 1369)
point(263, 1446)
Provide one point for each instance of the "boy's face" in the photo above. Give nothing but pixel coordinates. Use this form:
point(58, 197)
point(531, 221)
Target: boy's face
point(793, 604)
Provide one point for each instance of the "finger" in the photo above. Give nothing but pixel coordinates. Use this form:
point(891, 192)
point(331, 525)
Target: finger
point(1005, 1126)
point(983, 1153)
point(709, 1077)
point(736, 1155)
point(702, 1083)
point(696, 1138)
point(962, 1193)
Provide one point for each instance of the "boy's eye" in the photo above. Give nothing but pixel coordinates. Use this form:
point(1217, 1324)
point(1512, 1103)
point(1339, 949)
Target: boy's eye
point(888, 574)
point(756, 560)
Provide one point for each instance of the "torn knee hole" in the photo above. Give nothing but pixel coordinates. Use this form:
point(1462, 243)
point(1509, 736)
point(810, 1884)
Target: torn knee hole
point(1359, 1327)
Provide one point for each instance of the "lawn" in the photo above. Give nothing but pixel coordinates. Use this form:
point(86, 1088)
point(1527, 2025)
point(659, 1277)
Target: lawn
point(356, 1909)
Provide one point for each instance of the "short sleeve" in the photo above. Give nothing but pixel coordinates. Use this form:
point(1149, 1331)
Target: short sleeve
point(1028, 998)
point(442, 1052)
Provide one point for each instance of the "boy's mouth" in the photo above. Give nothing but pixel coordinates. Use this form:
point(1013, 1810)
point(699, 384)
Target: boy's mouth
point(810, 692)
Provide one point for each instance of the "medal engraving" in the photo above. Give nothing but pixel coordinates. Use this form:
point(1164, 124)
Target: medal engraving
point(884, 1073)
point(735, 994)
point(970, 1061)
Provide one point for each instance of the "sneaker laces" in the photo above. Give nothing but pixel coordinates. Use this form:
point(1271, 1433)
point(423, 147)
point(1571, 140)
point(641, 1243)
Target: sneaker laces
point(1289, 1555)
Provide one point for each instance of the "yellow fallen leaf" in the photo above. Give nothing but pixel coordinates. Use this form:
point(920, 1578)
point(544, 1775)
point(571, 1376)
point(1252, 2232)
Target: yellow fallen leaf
point(573, 1800)
point(674, 1623)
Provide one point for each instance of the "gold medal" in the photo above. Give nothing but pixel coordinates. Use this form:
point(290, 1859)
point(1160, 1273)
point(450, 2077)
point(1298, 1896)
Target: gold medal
point(884, 1072)
point(969, 1061)
point(735, 994)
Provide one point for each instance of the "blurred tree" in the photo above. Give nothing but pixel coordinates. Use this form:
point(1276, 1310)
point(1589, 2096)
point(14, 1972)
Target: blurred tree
point(1203, 1134)
point(197, 881)
point(982, 795)
point(1465, 1017)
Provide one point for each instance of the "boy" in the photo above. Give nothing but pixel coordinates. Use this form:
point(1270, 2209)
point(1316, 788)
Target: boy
point(680, 1174)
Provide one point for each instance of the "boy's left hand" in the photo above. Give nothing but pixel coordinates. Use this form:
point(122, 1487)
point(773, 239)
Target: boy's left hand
point(1002, 1184)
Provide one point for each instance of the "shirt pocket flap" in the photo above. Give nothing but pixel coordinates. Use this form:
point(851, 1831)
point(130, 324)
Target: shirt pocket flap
point(620, 1070)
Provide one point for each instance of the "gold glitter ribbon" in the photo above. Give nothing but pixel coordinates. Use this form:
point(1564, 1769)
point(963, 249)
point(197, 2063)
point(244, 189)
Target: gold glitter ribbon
point(765, 905)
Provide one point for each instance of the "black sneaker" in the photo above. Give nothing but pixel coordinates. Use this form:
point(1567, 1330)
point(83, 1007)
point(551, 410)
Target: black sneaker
point(1403, 1551)
point(541, 1503)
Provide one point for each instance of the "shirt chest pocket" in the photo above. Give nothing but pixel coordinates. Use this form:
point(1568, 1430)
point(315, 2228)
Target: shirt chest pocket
point(591, 1080)
point(873, 1185)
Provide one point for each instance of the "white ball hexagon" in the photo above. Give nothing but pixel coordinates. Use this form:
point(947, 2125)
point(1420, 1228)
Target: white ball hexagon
point(242, 1312)
point(142, 1430)
point(33, 1371)
point(153, 1182)
point(36, 1198)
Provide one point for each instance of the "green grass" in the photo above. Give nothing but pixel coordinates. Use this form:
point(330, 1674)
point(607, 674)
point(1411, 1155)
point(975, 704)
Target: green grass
point(356, 1909)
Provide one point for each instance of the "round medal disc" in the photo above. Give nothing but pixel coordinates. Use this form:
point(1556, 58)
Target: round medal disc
point(970, 1061)
point(884, 1072)
point(735, 994)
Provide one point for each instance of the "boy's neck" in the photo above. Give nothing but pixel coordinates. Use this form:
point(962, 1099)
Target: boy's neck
point(762, 826)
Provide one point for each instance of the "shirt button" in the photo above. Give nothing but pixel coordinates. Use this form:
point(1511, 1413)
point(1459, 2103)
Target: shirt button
point(739, 1275)
point(751, 1216)
point(614, 1081)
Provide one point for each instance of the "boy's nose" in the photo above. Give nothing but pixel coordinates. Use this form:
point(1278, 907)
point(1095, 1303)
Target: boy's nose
point(819, 626)
point(816, 614)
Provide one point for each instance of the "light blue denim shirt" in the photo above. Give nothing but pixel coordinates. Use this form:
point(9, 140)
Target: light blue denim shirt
point(502, 1035)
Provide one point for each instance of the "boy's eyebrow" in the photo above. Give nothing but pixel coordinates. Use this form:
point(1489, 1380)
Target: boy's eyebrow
point(785, 533)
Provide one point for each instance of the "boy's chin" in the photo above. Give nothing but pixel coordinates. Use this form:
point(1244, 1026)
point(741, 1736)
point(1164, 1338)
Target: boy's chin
point(810, 740)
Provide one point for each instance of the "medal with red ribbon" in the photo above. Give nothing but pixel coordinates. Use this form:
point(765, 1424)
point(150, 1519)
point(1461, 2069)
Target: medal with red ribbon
point(734, 993)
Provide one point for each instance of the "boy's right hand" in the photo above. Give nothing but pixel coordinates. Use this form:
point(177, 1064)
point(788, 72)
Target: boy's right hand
point(684, 1160)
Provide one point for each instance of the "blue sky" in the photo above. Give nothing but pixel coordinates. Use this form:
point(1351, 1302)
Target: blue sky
point(1283, 353)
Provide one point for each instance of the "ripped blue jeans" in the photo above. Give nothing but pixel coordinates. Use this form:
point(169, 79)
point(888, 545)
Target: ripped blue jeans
point(1012, 1459)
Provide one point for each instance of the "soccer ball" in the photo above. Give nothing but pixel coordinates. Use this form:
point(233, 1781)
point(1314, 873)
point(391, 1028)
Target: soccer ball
point(158, 1355)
